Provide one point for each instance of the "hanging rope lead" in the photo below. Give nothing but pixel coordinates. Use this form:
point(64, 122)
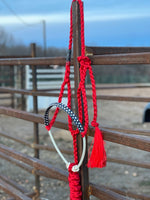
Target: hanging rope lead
point(97, 158)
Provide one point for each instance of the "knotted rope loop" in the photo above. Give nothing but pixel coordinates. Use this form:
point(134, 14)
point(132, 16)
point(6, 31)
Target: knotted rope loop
point(94, 124)
point(84, 61)
point(73, 167)
point(74, 132)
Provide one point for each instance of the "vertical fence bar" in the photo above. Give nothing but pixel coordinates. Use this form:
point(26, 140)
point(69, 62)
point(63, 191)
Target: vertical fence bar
point(12, 76)
point(77, 52)
point(35, 110)
point(22, 87)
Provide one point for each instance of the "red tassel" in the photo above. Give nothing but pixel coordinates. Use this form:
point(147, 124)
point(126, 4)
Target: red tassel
point(98, 154)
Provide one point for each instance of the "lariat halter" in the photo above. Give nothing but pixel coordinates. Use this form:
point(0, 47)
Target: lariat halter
point(97, 158)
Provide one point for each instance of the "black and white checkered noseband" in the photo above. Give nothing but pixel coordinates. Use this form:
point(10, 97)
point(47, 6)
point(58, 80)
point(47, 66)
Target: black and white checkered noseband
point(68, 111)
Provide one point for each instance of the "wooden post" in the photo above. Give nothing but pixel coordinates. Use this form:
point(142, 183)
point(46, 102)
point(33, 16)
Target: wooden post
point(35, 110)
point(77, 52)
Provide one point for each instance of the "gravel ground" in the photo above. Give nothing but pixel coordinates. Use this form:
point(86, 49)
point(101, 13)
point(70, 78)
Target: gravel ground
point(111, 113)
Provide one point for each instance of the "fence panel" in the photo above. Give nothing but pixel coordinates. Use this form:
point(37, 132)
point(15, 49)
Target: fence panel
point(36, 166)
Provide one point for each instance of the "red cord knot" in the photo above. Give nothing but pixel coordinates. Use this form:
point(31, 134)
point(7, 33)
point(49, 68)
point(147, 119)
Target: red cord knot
point(94, 124)
point(74, 184)
point(84, 61)
point(70, 167)
point(74, 132)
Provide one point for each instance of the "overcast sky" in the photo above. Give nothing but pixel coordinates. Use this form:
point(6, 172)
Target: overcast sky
point(107, 23)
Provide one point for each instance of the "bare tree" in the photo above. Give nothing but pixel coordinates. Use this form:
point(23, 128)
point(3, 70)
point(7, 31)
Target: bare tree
point(6, 40)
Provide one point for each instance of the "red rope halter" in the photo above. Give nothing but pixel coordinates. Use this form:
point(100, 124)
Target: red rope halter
point(98, 155)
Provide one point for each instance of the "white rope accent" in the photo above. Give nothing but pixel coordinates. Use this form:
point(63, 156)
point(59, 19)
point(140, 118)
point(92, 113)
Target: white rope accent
point(76, 167)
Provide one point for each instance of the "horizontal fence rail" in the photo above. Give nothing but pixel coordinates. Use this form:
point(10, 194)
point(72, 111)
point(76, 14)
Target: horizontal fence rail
point(132, 162)
point(69, 152)
point(13, 191)
point(109, 135)
point(99, 97)
point(129, 131)
point(126, 137)
point(61, 61)
point(30, 92)
point(113, 59)
point(33, 145)
point(36, 166)
point(8, 57)
point(115, 50)
point(105, 193)
point(121, 59)
point(47, 170)
point(14, 184)
point(121, 98)
point(12, 188)
point(96, 191)
point(103, 87)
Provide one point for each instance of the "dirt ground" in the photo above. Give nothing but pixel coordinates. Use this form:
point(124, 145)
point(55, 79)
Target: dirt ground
point(110, 113)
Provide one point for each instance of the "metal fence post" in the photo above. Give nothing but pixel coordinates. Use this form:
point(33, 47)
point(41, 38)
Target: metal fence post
point(35, 110)
point(23, 106)
point(77, 52)
point(12, 74)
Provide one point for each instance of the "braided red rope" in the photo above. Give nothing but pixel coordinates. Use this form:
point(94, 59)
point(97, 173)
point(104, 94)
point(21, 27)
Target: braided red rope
point(85, 64)
point(98, 155)
point(74, 183)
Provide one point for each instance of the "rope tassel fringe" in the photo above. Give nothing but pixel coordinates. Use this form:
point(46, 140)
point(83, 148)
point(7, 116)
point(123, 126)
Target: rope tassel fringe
point(98, 154)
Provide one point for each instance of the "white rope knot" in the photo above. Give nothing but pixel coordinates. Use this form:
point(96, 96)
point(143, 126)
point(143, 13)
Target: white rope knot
point(75, 168)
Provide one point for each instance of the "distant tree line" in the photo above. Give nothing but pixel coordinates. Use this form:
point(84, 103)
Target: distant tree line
point(9, 47)
point(103, 74)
